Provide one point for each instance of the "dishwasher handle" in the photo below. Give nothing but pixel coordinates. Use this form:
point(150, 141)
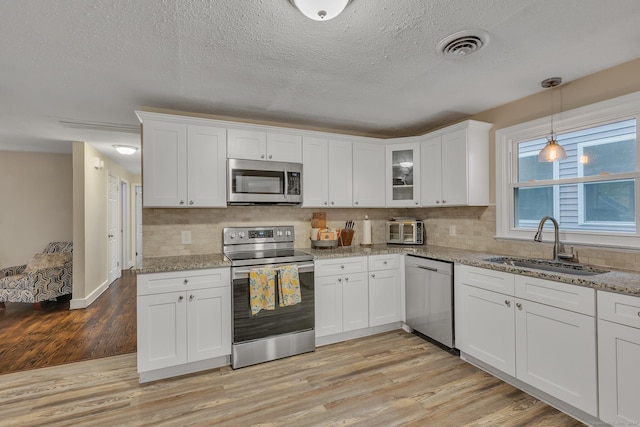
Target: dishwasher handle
point(425, 267)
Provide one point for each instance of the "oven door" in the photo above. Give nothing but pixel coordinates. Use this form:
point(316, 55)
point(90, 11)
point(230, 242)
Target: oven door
point(270, 323)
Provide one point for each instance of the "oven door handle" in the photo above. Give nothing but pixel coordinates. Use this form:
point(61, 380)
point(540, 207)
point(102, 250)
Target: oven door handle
point(302, 268)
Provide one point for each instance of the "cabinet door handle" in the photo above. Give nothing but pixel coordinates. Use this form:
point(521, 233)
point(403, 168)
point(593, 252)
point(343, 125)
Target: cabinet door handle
point(444, 201)
point(180, 298)
point(355, 203)
point(417, 203)
point(191, 297)
point(262, 156)
point(346, 279)
point(342, 267)
point(385, 262)
point(331, 202)
point(186, 282)
point(340, 279)
point(270, 156)
point(519, 305)
point(373, 275)
point(507, 303)
point(639, 314)
point(190, 202)
point(182, 202)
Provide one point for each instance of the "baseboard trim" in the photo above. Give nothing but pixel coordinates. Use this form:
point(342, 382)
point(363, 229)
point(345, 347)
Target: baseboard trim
point(187, 368)
point(358, 333)
point(77, 303)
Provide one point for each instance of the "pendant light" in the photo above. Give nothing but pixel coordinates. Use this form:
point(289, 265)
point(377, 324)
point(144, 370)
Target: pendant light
point(320, 10)
point(552, 151)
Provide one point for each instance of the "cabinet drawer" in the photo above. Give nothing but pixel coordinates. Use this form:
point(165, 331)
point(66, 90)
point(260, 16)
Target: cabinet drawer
point(384, 262)
point(562, 295)
point(491, 280)
point(619, 308)
point(155, 283)
point(330, 267)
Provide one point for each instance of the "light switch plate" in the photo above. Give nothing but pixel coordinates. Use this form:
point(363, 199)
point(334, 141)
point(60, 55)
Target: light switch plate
point(186, 237)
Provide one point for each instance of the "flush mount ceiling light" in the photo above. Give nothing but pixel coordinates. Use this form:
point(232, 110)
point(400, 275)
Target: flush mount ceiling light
point(127, 150)
point(463, 43)
point(552, 151)
point(320, 10)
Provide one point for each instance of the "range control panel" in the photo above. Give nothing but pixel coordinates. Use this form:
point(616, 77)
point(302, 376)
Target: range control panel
point(244, 235)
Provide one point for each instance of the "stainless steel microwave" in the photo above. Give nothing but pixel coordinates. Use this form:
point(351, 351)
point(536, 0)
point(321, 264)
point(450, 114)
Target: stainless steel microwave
point(263, 182)
point(405, 232)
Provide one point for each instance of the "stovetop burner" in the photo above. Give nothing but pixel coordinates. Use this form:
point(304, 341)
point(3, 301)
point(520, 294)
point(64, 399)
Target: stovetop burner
point(246, 246)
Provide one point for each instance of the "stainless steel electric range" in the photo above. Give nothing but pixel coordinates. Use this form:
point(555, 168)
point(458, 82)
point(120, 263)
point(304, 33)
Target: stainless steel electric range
point(269, 334)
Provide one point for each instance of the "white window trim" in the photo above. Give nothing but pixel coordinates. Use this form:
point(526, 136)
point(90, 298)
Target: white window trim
point(621, 108)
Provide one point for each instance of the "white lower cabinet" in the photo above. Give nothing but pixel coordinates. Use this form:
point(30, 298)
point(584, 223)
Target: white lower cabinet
point(556, 353)
point(618, 358)
point(342, 295)
point(485, 327)
point(357, 296)
point(183, 317)
point(385, 290)
point(536, 340)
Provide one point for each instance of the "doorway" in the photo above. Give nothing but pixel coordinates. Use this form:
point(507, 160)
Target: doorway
point(113, 236)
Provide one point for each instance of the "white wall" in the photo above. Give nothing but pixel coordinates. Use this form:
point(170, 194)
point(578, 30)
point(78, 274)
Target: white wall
point(37, 199)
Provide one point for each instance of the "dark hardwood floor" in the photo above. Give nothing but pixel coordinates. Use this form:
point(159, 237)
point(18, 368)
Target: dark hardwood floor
point(56, 335)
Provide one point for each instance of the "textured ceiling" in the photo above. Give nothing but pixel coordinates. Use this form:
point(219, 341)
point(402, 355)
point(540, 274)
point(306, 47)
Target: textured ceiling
point(374, 69)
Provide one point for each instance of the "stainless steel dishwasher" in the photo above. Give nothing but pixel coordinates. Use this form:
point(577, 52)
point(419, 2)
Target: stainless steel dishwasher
point(429, 296)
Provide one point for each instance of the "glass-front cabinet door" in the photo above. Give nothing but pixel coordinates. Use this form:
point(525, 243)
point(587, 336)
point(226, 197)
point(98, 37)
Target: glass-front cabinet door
point(403, 174)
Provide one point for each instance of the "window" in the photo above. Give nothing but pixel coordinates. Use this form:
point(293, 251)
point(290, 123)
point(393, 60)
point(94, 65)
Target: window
point(593, 193)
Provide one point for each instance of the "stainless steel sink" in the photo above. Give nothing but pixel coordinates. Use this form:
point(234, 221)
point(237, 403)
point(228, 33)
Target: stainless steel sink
point(548, 265)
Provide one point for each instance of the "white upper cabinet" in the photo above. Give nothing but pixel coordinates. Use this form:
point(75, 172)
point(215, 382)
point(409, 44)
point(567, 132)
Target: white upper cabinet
point(315, 170)
point(403, 174)
point(206, 166)
point(184, 165)
point(368, 175)
point(327, 173)
point(455, 166)
point(340, 174)
point(261, 145)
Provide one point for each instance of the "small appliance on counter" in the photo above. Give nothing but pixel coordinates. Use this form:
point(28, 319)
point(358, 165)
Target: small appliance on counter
point(405, 231)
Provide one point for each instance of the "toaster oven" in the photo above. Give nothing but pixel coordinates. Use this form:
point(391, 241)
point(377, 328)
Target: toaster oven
point(405, 232)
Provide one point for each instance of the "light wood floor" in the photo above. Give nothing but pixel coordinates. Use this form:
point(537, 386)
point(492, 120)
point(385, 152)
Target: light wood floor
point(389, 379)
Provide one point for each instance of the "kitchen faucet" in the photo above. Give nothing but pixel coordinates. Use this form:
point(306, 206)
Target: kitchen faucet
point(538, 236)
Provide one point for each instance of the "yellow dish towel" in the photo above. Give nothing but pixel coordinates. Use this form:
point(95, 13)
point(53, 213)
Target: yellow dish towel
point(262, 289)
point(289, 289)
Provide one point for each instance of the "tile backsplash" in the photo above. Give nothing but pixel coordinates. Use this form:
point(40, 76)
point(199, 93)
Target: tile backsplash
point(463, 227)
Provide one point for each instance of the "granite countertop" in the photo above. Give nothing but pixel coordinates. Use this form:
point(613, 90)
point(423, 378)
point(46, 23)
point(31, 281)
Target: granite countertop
point(626, 282)
point(185, 262)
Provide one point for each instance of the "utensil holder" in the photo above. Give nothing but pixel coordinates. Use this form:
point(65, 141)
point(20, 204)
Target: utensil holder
point(346, 236)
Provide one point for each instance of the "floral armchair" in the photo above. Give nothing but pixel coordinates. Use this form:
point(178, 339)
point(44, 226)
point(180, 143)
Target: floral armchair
point(47, 276)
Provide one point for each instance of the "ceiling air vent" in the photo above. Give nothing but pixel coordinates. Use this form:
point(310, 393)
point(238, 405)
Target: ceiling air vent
point(463, 43)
